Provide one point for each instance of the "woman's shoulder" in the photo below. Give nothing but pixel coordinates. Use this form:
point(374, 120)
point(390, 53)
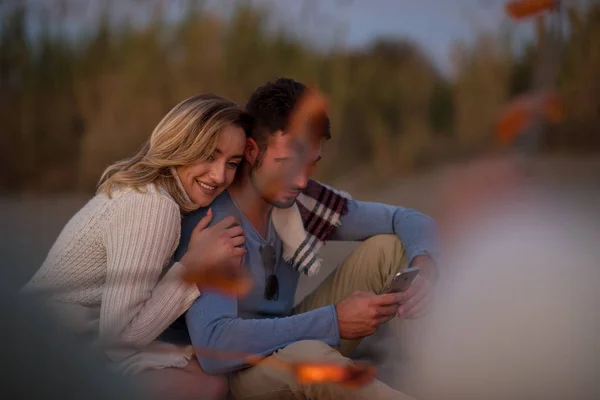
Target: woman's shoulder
point(143, 199)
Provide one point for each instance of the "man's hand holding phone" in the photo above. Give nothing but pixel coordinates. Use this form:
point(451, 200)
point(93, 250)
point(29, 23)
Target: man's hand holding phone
point(361, 313)
point(416, 299)
point(407, 296)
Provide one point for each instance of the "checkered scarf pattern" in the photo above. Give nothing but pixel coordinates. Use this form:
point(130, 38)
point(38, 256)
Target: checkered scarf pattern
point(306, 225)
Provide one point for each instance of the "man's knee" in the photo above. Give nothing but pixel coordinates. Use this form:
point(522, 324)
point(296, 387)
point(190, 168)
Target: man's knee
point(386, 251)
point(385, 243)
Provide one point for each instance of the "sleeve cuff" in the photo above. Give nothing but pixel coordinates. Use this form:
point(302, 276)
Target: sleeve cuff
point(192, 291)
point(414, 253)
point(336, 328)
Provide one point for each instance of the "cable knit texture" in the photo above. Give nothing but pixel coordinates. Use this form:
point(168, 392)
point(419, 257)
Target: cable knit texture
point(109, 270)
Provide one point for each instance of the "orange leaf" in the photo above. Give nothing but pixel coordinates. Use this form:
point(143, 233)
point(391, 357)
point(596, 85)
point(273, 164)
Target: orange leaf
point(520, 113)
point(519, 9)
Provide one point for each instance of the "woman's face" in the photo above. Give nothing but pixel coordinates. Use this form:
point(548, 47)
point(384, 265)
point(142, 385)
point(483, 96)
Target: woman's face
point(205, 180)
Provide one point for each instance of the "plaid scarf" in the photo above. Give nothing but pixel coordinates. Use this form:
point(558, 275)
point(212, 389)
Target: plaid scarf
point(304, 227)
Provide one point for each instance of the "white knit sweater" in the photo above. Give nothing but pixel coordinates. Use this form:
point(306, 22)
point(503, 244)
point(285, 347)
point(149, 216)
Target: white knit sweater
point(109, 265)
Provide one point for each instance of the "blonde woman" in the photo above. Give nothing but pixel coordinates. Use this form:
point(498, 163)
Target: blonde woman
point(109, 261)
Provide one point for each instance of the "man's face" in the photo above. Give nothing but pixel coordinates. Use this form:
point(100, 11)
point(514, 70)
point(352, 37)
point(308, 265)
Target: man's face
point(285, 168)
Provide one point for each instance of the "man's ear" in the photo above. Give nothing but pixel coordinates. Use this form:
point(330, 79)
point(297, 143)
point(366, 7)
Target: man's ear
point(251, 151)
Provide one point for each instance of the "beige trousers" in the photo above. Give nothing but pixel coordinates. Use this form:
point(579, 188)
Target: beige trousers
point(368, 268)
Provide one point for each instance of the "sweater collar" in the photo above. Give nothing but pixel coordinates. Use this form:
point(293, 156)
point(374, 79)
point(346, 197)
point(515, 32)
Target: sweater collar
point(179, 184)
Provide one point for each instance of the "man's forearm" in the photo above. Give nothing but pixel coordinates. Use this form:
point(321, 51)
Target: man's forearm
point(213, 323)
point(418, 234)
point(365, 219)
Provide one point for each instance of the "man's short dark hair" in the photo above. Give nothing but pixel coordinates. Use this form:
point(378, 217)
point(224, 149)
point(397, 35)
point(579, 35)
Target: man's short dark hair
point(271, 105)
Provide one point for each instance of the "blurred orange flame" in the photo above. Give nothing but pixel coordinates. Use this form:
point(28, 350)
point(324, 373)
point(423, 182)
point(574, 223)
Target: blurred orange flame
point(522, 112)
point(519, 9)
point(311, 106)
point(231, 282)
point(352, 375)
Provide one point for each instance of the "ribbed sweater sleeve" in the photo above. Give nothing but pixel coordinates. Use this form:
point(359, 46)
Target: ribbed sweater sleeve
point(138, 304)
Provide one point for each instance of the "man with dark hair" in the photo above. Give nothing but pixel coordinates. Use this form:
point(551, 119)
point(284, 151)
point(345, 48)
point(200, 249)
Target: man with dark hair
point(286, 218)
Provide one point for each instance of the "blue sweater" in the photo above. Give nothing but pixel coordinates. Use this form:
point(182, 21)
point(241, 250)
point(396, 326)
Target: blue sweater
point(255, 325)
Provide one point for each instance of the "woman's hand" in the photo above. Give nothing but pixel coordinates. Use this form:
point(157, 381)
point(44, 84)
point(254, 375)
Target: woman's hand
point(214, 256)
point(216, 246)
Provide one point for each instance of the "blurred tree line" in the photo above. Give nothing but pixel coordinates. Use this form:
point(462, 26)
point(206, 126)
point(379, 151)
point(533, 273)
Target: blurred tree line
point(68, 108)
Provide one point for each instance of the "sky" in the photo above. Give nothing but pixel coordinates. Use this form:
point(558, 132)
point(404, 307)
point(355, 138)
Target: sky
point(434, 24)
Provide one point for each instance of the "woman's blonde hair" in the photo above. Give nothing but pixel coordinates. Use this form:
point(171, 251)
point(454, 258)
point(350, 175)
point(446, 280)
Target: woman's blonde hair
point(188, 134)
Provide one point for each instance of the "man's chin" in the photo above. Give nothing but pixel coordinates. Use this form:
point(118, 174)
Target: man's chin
point(287, 203)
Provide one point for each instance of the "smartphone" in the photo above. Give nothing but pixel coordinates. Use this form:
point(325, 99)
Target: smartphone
point(402, 280)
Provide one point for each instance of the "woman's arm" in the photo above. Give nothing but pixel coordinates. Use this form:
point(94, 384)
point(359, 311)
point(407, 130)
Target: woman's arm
point(138, 305)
